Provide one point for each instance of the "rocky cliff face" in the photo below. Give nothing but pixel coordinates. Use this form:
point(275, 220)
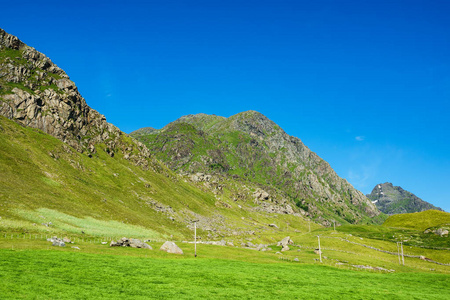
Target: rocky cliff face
point(36, 93)
point(248, 147)
point(395, 200)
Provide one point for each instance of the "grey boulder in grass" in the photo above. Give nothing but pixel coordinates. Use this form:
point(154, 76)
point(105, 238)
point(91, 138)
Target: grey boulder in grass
point(171, 247)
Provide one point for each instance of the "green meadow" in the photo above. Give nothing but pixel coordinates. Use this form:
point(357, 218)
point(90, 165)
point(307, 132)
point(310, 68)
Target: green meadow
point(63, 275)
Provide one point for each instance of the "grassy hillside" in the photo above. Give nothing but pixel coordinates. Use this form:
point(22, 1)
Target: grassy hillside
point(420, 220)
point(44, 180)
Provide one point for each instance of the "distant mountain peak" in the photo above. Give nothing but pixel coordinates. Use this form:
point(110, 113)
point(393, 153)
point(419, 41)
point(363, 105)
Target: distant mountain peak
point(392, 199)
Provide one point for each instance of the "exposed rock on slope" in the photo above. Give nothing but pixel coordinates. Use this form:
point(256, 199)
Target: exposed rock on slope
point(36, 93)
point(395, 200)
point(248, 147)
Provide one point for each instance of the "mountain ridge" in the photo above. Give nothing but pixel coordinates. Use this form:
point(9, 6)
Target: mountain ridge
point(392, 199)
point(252, 147)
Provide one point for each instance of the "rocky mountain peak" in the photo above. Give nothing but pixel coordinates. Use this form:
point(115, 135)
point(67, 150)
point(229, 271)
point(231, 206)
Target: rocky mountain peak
point(35, 92)
point(392, 199)
point(254, 123)
point(251, 148)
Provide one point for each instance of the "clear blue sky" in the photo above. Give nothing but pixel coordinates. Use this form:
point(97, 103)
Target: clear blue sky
point(364, 84)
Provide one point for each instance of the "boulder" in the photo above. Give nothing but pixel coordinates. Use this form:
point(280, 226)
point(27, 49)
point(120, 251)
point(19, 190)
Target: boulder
point(249, 245)
point(286, 241)
point(56, 241)
point(133, 243)
point(146, 246)
point(171, 247)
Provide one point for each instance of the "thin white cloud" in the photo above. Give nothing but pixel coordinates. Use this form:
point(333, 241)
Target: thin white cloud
point(360, 138)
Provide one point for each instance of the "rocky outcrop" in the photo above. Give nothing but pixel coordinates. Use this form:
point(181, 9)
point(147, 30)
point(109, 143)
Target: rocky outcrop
point(133, 243)
point(441, 231)
point(36, 93)
point(284, 243)
point(58, 242)
point(392, 199)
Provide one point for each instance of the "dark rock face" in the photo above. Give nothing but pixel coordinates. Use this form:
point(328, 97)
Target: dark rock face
point(395, 200)
point(36, 93)
point(248, 147)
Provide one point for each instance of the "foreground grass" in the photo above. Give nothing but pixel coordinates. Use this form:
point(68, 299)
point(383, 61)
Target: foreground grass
point(40, 274)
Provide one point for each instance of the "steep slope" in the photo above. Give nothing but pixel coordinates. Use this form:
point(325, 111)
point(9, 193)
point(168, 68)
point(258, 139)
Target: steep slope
point(251, 149)
point(395, 200)
point(35, 92)
point(64, 168)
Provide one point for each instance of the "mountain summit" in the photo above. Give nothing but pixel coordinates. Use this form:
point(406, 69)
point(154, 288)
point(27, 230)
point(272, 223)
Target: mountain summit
point(392, 199)
point(250, 148)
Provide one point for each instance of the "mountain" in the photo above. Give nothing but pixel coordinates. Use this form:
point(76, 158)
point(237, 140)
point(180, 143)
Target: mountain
point(395, 200)
point(37, 93)
point(64, 168)
point(251, 150)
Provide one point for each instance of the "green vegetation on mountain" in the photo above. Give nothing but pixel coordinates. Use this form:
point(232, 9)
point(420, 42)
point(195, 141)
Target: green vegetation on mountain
point(43, 180)
point(250, 149)
point(419, 220)
point(395, 200)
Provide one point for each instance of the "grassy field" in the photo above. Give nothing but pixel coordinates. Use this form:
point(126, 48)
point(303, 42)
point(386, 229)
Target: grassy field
point(30, 268)
point(41, 274)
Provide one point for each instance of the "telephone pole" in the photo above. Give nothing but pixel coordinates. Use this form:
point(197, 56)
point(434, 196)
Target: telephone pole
point(195, 238)
point(320, 251)
point(403, 258)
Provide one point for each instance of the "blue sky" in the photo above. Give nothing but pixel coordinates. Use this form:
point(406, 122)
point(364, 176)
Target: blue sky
point(364, 84)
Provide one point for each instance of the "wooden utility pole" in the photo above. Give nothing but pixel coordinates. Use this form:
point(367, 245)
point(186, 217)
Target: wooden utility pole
point(403, 258)
point(320, 251)
point(195, 238)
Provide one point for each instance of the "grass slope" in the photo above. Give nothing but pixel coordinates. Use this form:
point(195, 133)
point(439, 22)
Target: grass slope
point(419, 221)
point(43, 180)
